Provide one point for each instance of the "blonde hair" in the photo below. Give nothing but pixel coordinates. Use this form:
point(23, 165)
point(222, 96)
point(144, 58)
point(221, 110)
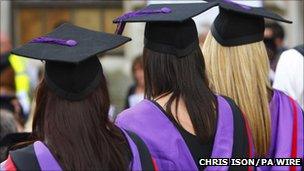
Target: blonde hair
point(241, 72)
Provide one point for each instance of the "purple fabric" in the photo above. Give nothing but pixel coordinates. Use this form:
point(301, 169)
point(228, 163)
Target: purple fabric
point(163, 10)
point(121, 24)
point(282, 127)
point(57, 41)
point(135, 164)
point(120, 27)
point(245, 7)
point(165, 143)
point(223, 142)
point(45, 158)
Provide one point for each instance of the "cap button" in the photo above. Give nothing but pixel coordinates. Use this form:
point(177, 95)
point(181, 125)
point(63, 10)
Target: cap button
point(71, 42)
point(166, 10)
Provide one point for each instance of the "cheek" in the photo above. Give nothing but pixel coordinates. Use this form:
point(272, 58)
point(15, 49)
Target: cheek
point(139, 74)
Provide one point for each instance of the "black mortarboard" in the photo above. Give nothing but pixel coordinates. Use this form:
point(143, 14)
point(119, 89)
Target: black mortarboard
point(169, 27)
point(72, 68)
point(238, 24)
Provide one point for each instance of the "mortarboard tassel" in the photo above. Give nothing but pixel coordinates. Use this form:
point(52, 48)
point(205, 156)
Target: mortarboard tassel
point(57, 41)
point(121, 24)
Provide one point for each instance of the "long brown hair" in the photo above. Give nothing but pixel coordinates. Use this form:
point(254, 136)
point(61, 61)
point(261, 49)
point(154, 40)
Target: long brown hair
point(185, 79)
point(79, 133)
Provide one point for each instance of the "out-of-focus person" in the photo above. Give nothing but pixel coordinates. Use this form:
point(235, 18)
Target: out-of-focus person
point(289, 75)
point(136, 91)
point(8, 125)
point(274, 40)
point(278, 35)
point(8, 99)
point(20, 76)
point(9, 134)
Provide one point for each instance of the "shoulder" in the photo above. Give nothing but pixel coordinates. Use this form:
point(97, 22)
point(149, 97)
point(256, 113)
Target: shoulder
point(34, 157)
point(224, 101)
point(282, 98)
point(279, 95)
point(229, 100)
point(137, 112)
point(227, 106)
point(282, 101)
point(23, 159)
point(290, 56)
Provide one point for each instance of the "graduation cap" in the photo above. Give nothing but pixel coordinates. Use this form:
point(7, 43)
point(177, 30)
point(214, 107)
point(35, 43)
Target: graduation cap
point(238, 24)
point(72, 69)
point(169, 27)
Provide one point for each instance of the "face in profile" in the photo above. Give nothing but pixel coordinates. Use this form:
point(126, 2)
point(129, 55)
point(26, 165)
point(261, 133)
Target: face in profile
point(5, 43)
point(270, 43)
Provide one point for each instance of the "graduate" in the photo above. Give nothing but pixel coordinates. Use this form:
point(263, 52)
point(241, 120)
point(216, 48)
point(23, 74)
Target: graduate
point(238, 67)
point(181, 120)
point(71, 129)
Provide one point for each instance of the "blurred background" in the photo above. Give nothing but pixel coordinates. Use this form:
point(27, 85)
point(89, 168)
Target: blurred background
point(23, 20)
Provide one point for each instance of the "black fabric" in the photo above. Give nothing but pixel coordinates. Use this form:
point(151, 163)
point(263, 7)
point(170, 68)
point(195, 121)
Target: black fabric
point(144, 154)
point(300, 49)
point(72, 72)
point(240, 137)
point(14, 138)
point(174, 38)
point(239, 24)
point(233, 34)
point(197, 149)
point(73, 81)
point(8, 142)
point(25, 159)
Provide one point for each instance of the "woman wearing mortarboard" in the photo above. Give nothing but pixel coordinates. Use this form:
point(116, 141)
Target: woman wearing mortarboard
point(181, 120)
point(237, 66)
point(71, 129)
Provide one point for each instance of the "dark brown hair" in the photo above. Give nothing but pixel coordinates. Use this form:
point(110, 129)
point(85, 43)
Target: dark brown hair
point(79, 133)
point(185, 78)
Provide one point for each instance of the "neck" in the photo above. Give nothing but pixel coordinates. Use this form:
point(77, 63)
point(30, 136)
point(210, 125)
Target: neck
point(140, 89)
point(180, 113)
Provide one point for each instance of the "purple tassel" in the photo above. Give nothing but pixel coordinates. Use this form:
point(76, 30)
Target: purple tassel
point(56, 41)
point(238, 5)
point(120, 27)
point(121, 24)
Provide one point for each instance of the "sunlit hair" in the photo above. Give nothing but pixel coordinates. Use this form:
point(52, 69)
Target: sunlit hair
point(241, 72)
